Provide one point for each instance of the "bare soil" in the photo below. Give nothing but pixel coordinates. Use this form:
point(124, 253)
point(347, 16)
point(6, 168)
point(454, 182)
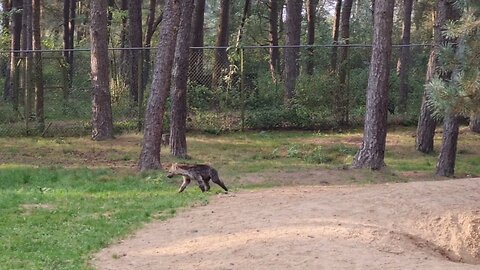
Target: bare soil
point(419, 225)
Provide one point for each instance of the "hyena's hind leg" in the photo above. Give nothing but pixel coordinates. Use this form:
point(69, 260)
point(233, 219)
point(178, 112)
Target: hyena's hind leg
point(201, 183)
point(186, 181)
point(216, 180)
point(207, 184)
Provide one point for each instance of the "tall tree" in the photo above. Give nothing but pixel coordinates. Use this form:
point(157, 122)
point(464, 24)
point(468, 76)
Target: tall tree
point(16, 31)
point(372, 152)
point(6, 7)
point(197, 36)
point(38, 66)
point(311, 13)
point(342, 98)
point(178, 123)
point(150, 154)
point(221, 56)
point(27, 43)
point(152, 7)
point(102, 120)
point(69, 14)
point(404, 60)
point(335, 33)
point(135, 36)
point(293, 23)
point(273, 38)
point(426, 123)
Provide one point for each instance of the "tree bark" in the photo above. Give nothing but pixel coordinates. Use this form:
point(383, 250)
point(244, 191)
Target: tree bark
point(292, 38)
point(221, 56)
point(150, 154)
point(475, 123)
point(273, 38)
point(16, 31)
point(135, 35)
point(148, 42)
point(102, 120)
point(6, 7)
point(28, 55)
point(343, 97)
point(38, 66)
point(446, 160)
point(124, 43)
point(311, 10)
point(404, 60)
point(336, 30)
point(197, 35)
point(69, 10)
point(426, 122)
point(178, 123)
point(372, 152)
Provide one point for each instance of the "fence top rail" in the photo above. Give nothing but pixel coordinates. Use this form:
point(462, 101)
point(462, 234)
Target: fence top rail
point(225, 47)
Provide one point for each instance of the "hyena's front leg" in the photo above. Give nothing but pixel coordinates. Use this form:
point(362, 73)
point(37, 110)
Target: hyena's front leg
point(186, 181)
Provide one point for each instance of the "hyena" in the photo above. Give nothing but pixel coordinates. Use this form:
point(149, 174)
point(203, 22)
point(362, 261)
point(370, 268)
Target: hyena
point(201, 173)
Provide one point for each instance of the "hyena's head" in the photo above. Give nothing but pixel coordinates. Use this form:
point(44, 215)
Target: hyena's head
point(171, 171)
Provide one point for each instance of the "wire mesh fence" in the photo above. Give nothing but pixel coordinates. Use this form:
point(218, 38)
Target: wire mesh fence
point(228, 89)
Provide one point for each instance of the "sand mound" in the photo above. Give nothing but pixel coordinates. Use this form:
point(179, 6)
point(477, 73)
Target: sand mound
point(457, 234)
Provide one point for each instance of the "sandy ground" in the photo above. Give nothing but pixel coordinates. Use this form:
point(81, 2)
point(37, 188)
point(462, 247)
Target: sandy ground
point(420, 225)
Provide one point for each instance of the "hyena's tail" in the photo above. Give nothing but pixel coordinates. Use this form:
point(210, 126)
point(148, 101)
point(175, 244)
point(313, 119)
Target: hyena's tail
point(217, 180)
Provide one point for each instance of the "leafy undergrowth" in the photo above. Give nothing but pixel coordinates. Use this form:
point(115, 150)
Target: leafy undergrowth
point(56, 218)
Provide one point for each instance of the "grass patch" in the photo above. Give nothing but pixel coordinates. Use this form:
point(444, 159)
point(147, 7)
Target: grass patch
point(56, 218)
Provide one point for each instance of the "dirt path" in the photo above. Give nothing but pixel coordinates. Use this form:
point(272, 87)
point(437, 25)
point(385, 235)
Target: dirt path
point(422, 225)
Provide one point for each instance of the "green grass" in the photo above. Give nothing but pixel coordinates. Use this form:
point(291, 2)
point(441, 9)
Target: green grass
point(56, 218)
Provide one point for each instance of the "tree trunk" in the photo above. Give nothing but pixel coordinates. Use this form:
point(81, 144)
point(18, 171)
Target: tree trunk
point(246, 11)
point(475, 123)
point(150, 154)
point(148, 42)
point(426, 123)
point(135, 34)
point(221, 56)
point(124, 41)
point(69, 10)
point(196, 56)
point(343, 97)
point(292, 38)
point(6, 7)
point(404, 60)
point(102, 120)
point(273, 38)
point(178, 123)
point(446, 160)
point(38, 66)
point(16, 31)
point(336, 30)
point(28, 55)
point(311, 10)
point(372, 152)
